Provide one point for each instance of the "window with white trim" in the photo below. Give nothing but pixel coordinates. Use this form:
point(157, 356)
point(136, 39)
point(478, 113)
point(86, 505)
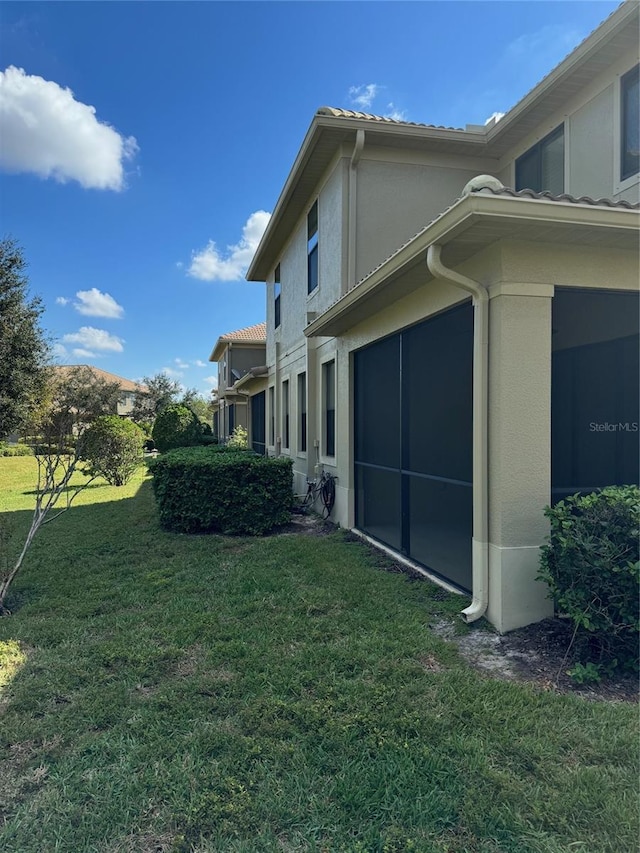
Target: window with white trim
point(312, 248)
point(630, 124)
point(276, 297)
point(329, 395)
point(541, 168)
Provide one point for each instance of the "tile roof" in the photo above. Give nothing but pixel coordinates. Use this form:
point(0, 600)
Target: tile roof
point(125, 384)
point(251, 334)
point(566, 197)
point(502, 191)
point(337, 112)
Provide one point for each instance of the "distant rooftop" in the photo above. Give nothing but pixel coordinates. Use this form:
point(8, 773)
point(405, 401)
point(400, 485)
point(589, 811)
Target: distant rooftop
point(99, 373)
point(256, 334)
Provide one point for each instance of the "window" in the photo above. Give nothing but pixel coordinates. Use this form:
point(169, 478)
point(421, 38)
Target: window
point(276, 296)
point(542, 167)
point(329, 381)
point(630, 130)
point(272, 417)
point(312, 248)
point(285, 413)
point(302, 412)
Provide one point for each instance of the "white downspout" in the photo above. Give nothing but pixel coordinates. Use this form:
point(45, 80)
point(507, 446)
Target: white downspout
point(480, 542)
point(353, 198)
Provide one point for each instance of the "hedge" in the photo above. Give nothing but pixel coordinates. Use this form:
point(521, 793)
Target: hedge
point(204, 489)
point(176, 426)
point(15, 449)
point(590, 563)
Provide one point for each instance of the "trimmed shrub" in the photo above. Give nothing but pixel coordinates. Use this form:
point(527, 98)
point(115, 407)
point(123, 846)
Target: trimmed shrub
point(176, 426)
point(204, 489)
point(113, 448)
point(590, 563)
point(15, 449)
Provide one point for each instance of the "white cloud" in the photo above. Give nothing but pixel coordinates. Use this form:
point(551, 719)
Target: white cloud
point(496, 115)
point(212, 381)
point(199, 363)
point(211, 265)
point(94, 303)
point(62, 300)
point(394, 113)
point(173, 374)
point(84, 353)
point(94, 339)
point(551, 40)
point(59, 351)
point(363, 96)
point(183, 365)
point(46, 131)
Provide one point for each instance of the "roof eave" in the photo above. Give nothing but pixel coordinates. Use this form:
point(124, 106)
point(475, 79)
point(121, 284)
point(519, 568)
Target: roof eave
point(456, 220)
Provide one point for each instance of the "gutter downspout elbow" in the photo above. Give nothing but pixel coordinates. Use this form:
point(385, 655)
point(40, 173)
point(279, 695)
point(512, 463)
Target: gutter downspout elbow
point(480, 545)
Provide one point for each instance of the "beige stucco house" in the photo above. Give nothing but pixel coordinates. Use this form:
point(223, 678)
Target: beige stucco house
point(241, 360)
point(128, 387)
point(452, 321)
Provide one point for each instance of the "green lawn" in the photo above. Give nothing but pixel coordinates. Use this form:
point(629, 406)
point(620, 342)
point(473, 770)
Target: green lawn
point(174, 693)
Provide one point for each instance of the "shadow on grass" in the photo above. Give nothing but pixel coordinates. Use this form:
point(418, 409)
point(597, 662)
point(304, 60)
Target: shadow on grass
point(75, 534)
point(66, 489)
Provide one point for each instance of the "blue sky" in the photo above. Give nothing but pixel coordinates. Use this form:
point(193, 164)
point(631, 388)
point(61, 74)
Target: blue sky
point(143, 145)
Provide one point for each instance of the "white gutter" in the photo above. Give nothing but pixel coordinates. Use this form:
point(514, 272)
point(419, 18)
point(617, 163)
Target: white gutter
point(480, 541)
point(353, 199)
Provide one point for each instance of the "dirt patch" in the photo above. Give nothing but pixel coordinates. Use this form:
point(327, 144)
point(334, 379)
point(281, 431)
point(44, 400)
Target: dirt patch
point(309, 525)
point(539, 654)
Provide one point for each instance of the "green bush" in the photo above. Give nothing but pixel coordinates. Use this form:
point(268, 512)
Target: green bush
point(112, 446)
point(176, 426)
point(15, 449)
point(239, 439)
point(590, 563)
point(203, 489)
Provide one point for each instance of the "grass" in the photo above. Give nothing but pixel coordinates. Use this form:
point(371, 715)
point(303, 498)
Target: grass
point(201, 693)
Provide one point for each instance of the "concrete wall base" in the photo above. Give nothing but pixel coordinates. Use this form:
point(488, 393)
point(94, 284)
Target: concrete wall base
point(516, 598)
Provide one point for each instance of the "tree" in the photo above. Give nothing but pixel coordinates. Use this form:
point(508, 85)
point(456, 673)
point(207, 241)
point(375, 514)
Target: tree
point(199, 405)
point(72, 399)
point(176, 426)
point(79, 396)
point(112, 447)
point(23, 346)
point(161, 392)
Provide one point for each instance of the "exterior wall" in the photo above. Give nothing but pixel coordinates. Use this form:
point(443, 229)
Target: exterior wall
point(592, 139)
point(242, 359)
point(521, 278)
point(396, 199)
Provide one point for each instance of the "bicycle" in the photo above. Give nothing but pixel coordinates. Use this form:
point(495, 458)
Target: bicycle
point(323, 487)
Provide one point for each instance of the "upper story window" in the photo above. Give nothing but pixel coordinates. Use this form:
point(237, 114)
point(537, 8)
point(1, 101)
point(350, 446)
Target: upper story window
point(276, 296)
point(312, 248)
point(541, 168)
point(630, 130)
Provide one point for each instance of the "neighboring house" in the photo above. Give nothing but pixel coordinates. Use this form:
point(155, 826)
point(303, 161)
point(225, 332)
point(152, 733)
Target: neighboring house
point(241, 359)
point(461, 352)
point(128, 388)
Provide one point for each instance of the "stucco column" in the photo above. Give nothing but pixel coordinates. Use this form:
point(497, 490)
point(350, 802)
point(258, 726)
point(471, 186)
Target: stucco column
point(519, 451)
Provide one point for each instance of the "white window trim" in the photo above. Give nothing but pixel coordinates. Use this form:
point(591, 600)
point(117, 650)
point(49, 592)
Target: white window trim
point(301, 453)
point(618, 185)
point(329, 460)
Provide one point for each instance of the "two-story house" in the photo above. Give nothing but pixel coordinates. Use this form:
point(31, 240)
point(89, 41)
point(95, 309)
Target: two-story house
point(452, 320)
point(241, 359)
